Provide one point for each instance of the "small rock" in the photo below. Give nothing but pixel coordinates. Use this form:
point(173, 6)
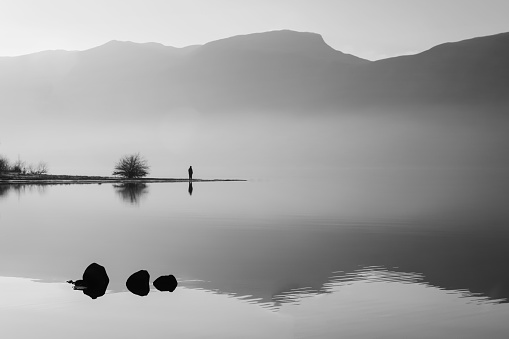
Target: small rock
point(138, 283)
point(94, 283)
point(166, 283)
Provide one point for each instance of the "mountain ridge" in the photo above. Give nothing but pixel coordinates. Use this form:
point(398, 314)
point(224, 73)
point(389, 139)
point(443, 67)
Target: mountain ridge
point(115, 41)
point(276, 70)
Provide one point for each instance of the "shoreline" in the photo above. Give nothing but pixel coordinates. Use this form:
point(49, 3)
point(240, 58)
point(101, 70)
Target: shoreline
point(83, 179)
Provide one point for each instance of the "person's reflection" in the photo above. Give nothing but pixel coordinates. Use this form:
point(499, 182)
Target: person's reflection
point(190, 189)
point(94, 282)
point(131, 192)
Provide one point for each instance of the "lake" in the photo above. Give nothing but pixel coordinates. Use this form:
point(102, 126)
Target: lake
point(350, 253)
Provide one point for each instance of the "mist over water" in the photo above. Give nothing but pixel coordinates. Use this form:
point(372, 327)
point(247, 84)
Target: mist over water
point(352, 216)
point(255, 144)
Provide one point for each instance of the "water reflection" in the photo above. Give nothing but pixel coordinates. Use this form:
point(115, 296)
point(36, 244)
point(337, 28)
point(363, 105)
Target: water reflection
point(374, 302)
point(283, 246)
point(20, 189)
point(131, 193)
point(372, 274)
point(190, 189)
point(4, 189)
point(53, 310)
point(273, 262)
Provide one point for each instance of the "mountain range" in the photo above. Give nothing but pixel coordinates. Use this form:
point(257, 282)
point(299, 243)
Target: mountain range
point(278, 70)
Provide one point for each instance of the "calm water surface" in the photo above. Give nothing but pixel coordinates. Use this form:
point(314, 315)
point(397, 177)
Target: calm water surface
point(347, 253)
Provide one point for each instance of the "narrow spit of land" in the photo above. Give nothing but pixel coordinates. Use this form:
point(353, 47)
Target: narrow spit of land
point(82, 179)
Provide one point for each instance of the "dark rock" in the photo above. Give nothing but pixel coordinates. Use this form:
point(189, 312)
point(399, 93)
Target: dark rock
point(166, 283)
point(138, 283)
point(94, 283)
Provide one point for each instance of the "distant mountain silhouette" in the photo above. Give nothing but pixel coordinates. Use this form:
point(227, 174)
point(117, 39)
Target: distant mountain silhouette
point(278, 70)
point(469, 71)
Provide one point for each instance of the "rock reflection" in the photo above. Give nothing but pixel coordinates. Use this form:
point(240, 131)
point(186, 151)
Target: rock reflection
point(94, 283)
point(131, 193)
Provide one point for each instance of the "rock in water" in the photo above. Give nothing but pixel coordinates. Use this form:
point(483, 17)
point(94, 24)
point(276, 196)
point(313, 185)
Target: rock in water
point(138, 283)
point(95, 281)
point(166, 283)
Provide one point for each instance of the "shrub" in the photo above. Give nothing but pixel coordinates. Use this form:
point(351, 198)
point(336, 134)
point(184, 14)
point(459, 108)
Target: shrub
point(131, 166)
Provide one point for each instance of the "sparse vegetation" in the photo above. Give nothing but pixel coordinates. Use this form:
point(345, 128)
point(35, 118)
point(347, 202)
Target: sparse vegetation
point(21, 167)
point(18, 167)
point(131, 167)
point(41, 168)
point(4, 164)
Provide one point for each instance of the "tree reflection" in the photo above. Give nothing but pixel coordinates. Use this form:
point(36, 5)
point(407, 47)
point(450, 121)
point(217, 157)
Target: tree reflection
point(4, 189)
point(131, 192)
point(22, 188)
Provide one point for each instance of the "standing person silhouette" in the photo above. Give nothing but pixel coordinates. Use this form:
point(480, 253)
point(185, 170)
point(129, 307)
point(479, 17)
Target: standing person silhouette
point(190, 171)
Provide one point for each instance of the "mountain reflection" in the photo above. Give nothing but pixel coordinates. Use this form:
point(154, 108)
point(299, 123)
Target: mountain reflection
point(222, 246)
point(455, 258)
point(372, 274)
point(131, 193)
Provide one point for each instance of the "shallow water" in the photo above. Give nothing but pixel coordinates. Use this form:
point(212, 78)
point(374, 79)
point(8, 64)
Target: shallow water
point(350, 253)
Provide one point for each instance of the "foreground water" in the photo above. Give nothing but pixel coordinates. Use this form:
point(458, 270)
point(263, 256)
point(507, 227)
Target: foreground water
point(347, 253)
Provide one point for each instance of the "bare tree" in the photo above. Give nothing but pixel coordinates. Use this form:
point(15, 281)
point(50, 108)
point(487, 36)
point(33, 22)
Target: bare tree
point(4, 164)
point(42, 168)
point(131, 166)
point(19, 167)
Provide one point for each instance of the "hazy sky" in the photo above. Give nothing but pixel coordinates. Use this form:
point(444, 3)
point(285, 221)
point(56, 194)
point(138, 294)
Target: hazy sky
point(372, 29)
